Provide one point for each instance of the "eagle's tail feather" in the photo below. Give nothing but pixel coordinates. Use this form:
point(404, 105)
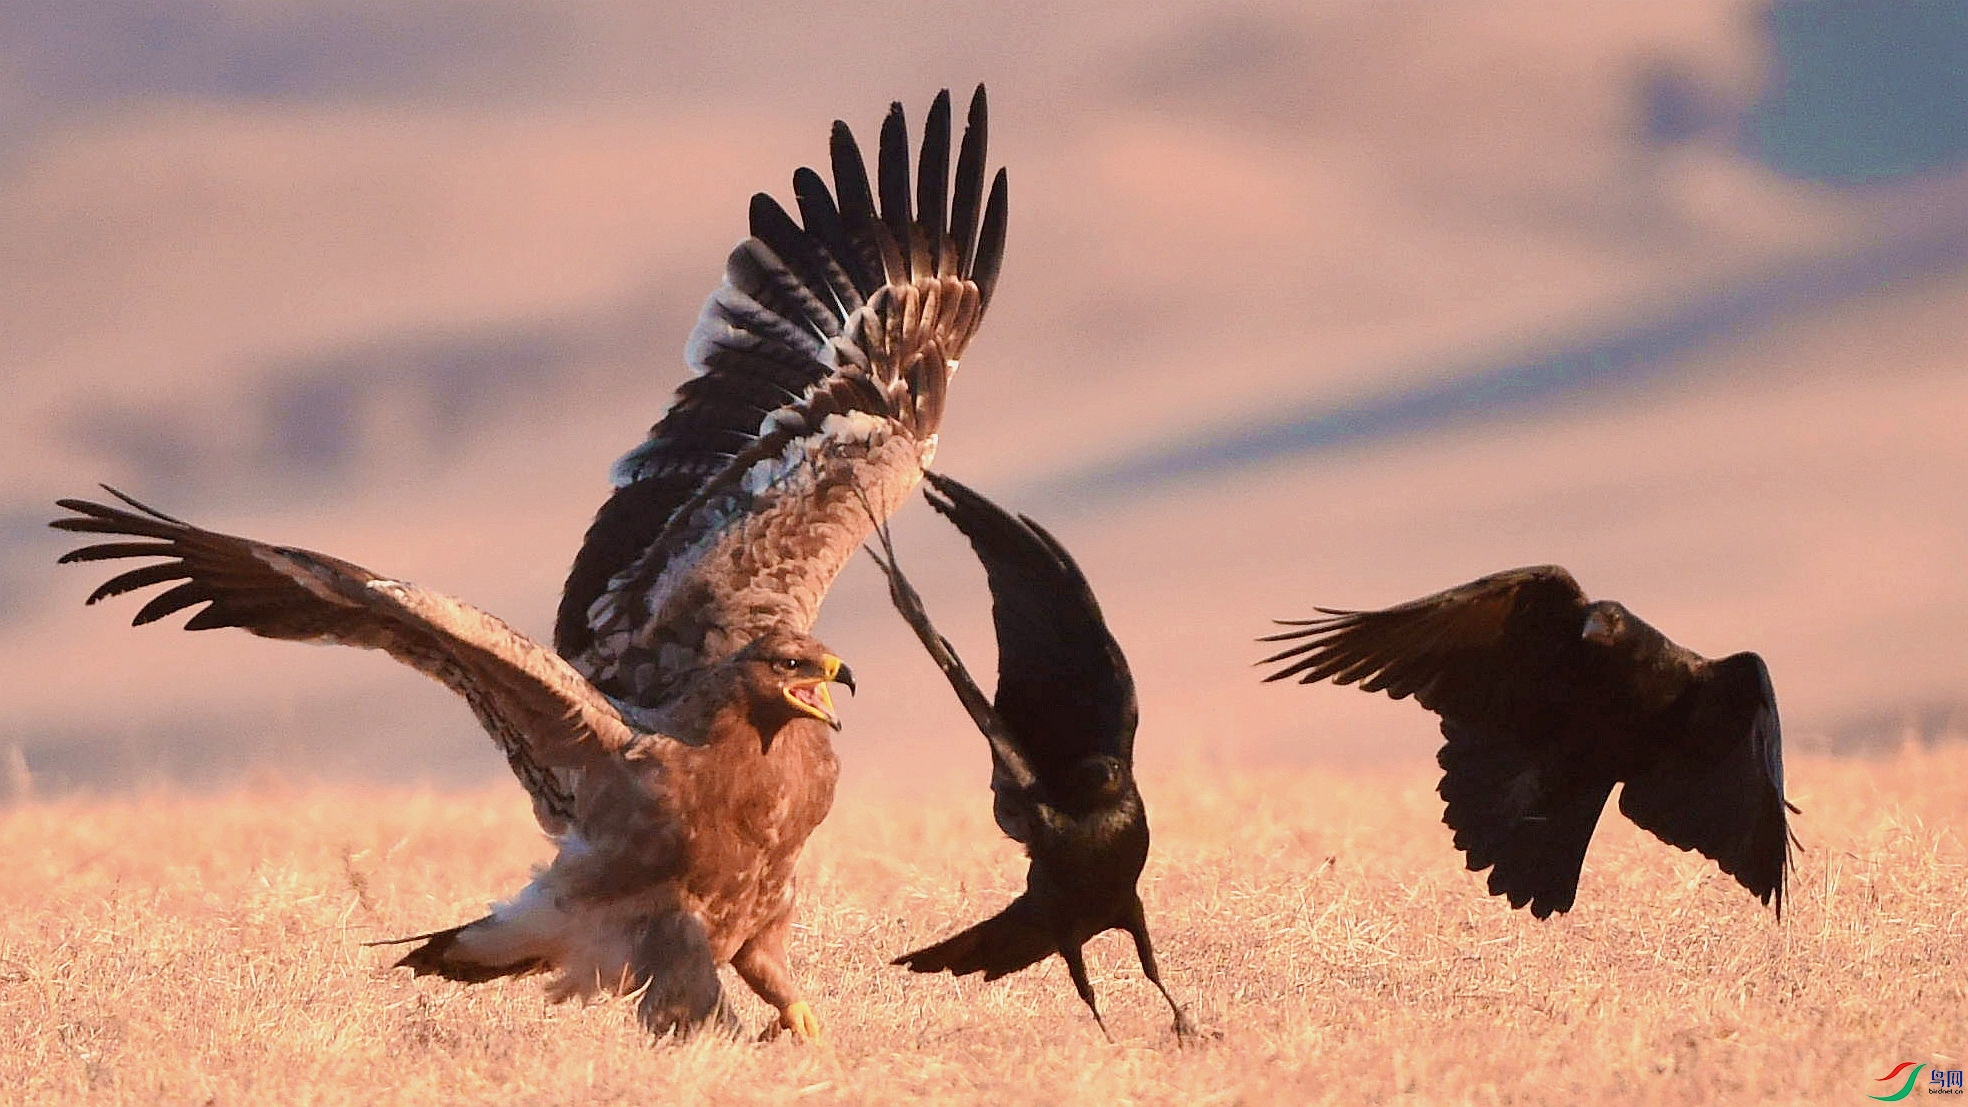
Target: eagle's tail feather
point(999, 946)
point(441, 955)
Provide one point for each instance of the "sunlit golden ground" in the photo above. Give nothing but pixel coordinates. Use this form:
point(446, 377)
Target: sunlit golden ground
point(209, 950)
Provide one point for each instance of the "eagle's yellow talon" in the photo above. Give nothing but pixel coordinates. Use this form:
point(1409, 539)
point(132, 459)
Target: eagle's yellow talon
point(799, 1018)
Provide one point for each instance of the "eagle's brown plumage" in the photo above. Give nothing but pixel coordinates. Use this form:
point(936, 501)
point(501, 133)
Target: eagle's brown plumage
point(681, 854)
point(676, 741)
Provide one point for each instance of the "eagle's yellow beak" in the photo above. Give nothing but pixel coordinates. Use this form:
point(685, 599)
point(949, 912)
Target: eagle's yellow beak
point(812, 697)
point(837, 671)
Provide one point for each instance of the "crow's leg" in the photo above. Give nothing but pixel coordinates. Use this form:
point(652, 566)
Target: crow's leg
point(1137, 928)
point(1076, 965)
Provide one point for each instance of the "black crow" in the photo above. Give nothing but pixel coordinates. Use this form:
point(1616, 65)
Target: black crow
point(1061, 732)
point(1547, 701)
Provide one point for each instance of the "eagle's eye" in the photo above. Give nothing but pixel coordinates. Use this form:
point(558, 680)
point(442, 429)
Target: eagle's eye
point(787, 665)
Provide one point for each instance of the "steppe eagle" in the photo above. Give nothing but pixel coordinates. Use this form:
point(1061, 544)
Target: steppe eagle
point(1061, 731)
point(1547, 701)
point(677, 743)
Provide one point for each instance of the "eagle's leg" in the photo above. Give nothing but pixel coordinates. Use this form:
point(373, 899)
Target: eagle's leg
point(761, 964)
point(1136, 925)
point(681, 993)
point(1076, 967)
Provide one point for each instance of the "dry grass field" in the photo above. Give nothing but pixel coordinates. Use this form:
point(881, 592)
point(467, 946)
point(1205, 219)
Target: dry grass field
point(175, 949)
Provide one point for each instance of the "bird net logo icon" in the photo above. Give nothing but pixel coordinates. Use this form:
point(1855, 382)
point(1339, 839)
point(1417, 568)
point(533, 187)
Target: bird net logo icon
point(1939, 1081)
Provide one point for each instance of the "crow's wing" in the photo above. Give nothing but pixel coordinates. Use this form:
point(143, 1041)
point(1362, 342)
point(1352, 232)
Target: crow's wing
point(1498, 659)
point(541, 712)
point(1498, 653)
point(1513, 815)
point(1064, 690)
point(822, 365)
point(1012, 778)
point(1719, 788)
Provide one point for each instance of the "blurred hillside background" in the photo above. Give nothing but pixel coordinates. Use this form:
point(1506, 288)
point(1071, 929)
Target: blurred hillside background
point(1329, 303)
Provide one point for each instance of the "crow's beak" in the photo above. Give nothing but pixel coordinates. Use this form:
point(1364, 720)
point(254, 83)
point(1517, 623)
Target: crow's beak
point(1599, 628)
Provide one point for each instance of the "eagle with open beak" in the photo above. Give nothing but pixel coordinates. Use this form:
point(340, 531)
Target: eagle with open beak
point(672, 739)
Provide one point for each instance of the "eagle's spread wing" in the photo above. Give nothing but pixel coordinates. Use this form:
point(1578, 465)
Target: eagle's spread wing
point(822, 366)
point(542, 712)
point(1483, 651)
point(1722, 791)
point(1063, 684)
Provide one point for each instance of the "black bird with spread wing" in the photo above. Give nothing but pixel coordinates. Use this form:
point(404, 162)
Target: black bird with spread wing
point(1547, 701)
point(677, 741)
point(1061, 732)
